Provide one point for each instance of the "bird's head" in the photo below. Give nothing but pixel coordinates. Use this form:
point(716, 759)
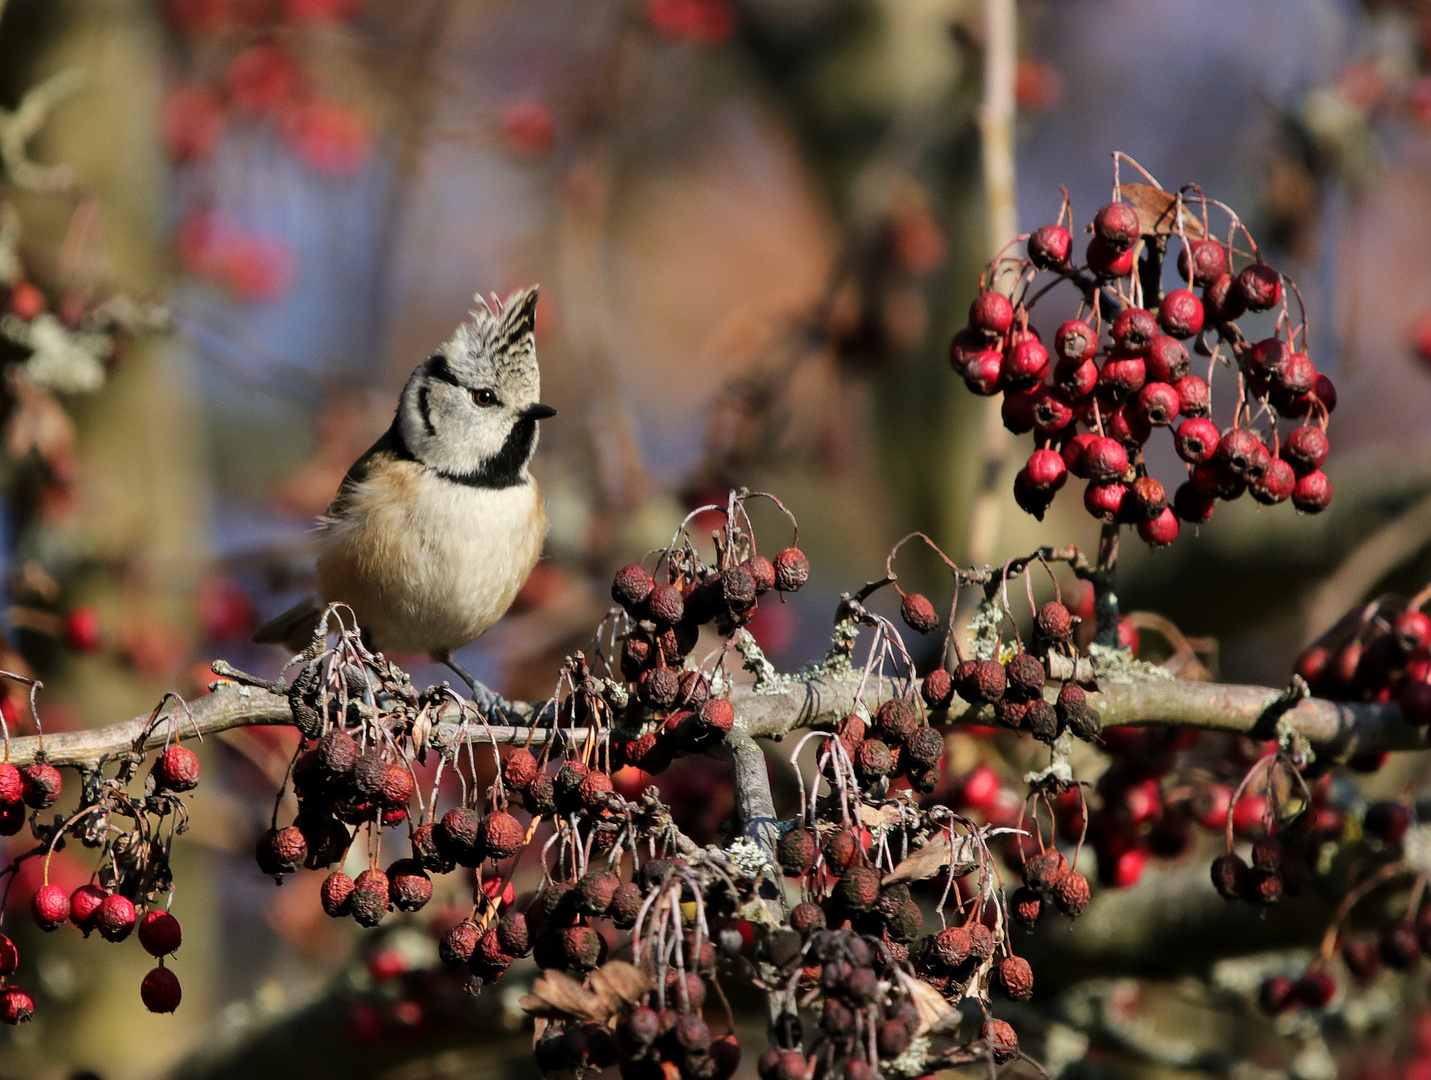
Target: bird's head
point(470, 410)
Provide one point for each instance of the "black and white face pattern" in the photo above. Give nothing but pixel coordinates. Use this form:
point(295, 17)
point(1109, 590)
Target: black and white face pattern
point(469, 412)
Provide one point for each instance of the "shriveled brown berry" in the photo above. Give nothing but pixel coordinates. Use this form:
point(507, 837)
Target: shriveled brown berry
point(1054, 623)
point(501, 835)
point(513, 935)
point(1002, 1039)
point(666, 604)
point(595, 891)
point(581, 947)
point(950, 948)
point(842, 849)
point(896, 720)
point(1041, 720)
point(937, 689)
point(337, 887)
point(659, 687)
point(519, 770)
point(594, 790)
point(337, 754)
point(1025, 905)
point(369, 901)
point(985, 684)
point(925, 747)
point(1072, 894)
point(806, 918)
point(1043, 872)
point(458, 835)
point(873, 761)
point(395, 790)
point(626, 905)
point(409, 887)
point(792, 570)
point(631, 586)
point(41, 785)
point(796, 851)
point(918, 613)
point(457, 945)
point(1229, 875)
point(715, 718)
point(281, 851)
point(892, 1038)
point(737, 588)
point(858, 888)
point(1015, 978)
point(1264, 886)
point(762, 572)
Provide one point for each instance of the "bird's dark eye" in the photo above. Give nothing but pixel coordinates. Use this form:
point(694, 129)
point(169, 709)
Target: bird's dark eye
point(484, 397)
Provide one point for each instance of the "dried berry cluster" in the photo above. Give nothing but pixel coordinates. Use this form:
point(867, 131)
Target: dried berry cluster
point(1379, 651)
point(122, 895)
point(1122, 367)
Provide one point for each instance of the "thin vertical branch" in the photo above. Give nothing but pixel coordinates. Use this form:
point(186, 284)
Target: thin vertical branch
point(996, 127)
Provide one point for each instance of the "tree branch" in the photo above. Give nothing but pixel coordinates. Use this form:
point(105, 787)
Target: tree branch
point(816, 698)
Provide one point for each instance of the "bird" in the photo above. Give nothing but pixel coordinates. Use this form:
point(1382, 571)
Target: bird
point(436, 528)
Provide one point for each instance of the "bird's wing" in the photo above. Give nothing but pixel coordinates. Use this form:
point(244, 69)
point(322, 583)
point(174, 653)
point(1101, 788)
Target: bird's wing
point(389, 445)
point(294, 628)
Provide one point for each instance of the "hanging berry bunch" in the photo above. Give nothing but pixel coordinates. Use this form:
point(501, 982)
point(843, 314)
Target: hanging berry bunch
point(659, 619)
point(133, 832)
point(1380, 651)
point(1122, 366)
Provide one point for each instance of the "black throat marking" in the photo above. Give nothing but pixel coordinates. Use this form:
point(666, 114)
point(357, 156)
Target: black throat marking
point(504, 469)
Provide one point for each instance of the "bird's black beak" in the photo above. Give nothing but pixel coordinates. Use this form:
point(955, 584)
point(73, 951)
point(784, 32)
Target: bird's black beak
point(538, 412)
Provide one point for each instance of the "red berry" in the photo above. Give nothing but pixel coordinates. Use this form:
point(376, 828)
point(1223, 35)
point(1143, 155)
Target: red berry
point(82, 630)
point(1267, 359)
point(1208, 261)
point(1127, 869)
point(1325, 392)
point(1192, 505)
point(1158, 404)
point(1196, 440)
point(792, 570)
point(1105, 501)
point(1146, 499)
point(1277, 994)
point(1075, 341)
point(631, 586)
point(1260, 286)
point(1108, 262)
point(1105, 460)
point(1312, 493)
point(1167, 359)
point(1051, 410)
point(1075, 454)
point(1298, 377)
point(16, 1005)
point(1222, 300)
point(177, 769)
point(1026, 366)
point(116, 917)
point(1046, 470)
point(502, 835)
point(1133, 331)
point(918, 613)
point(1306, 449)
point(1180, 313)
point(160, 991)
point(1049, 247)
point(1123, 375)
point(1242, 454)
point(1017, 410)
point(12, 786)
point(992, 312)
point(1076, 378)
point(9, 957)
point(159, 933)
point(1193, 396)
point(1117, 225)
point(84, 906)
point(1275, 485)
point(982, 373)
point(1161, 530)
point(26, 301)
point(50, 906)
point(1412, 630)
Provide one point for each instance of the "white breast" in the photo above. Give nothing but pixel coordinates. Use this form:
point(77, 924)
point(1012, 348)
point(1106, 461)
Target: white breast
point(428, 564)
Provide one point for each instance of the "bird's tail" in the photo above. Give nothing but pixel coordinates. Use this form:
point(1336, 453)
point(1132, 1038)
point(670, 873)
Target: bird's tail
point(294, 629)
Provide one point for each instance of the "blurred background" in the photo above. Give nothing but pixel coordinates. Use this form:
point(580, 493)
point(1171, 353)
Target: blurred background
point(231, 228)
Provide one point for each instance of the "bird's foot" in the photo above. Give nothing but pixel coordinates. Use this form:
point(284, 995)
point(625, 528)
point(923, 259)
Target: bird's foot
point(486, 699)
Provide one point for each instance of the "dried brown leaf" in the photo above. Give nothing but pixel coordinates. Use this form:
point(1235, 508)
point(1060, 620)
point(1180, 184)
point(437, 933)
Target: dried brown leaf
point(936, 1016)
point(878, 817)
point(556, 994)
point(1155, 211)
point(939, 852)
point(619, 985)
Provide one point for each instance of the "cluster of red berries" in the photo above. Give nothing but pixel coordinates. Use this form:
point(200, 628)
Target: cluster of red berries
point(1379, 651)
point(119, 901)
point(1121, 381)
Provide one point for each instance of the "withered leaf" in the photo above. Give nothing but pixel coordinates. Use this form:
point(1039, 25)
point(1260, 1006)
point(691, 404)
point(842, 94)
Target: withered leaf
point(875, 818)
point(557, 995)
point(936, 1016)
point(939, 852)
point(1155, 211)
point(619, 985)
